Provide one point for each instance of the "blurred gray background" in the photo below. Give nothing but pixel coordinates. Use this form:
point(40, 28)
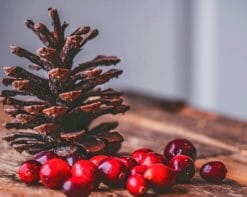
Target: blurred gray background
point(195, 50)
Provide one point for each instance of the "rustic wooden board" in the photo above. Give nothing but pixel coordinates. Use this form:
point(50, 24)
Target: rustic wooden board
point(152, 123)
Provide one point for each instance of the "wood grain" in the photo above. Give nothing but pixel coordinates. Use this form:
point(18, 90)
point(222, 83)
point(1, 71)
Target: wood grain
point(152, 123)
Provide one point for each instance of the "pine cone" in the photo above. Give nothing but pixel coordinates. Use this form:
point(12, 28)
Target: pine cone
point(59, 109)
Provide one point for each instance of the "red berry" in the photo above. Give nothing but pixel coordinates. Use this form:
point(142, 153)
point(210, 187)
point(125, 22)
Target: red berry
point(139, 153)
point(152, 158)
point(213, 172)
point(85, 170)
point(74, 187)
point(138, 170)
point(136, 185)
point(184, 167)
point(74, 158)
point(160, 177)
point(180, 147)
point(129, 162)
point(45, 156)
point(29, 172)
point(54, 172)
point(114, 172)
point(97, 159)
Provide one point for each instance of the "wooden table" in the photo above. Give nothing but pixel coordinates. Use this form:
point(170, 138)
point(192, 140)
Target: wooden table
point(152, 123)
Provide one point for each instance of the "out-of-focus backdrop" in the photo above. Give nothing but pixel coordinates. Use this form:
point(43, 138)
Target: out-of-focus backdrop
point(195, 50)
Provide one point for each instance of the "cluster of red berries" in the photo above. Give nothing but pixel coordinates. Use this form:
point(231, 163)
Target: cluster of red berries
point(142, 170)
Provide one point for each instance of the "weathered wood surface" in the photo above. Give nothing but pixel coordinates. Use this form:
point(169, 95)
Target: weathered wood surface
point(152, 123)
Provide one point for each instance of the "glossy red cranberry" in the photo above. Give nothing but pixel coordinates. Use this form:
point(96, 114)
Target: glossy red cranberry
point(184, 167)
point(136, 185)
point(180, 147)
point(45, 156)
point(213, 172)
point(74, 158)
point(86, 171)
point(97, 159)
point(129, 162)
point(138, 170)
point(160, 177)
point(152, 158)
point(29, 171)
point(139, 154)
point(74, 187)
point(114, 172)
point(54, 173)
